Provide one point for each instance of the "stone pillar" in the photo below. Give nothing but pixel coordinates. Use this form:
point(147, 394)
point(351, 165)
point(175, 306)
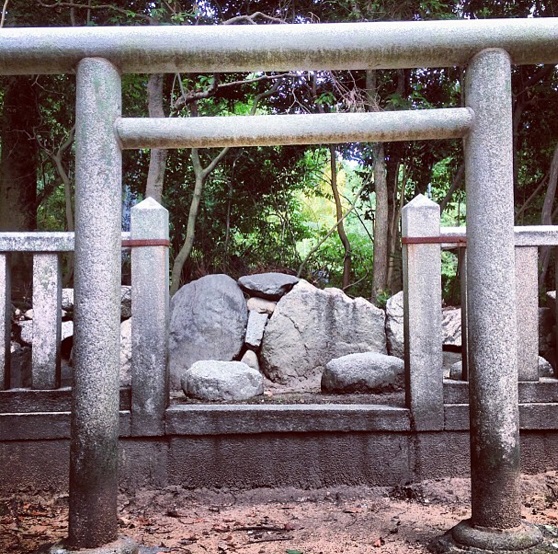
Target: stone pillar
point(527, 295)
point(150, 318)
point(47, 296)
point(462, 257)
point(422, 291)
point(95, 401)
point(495, 524)
point(5, 321)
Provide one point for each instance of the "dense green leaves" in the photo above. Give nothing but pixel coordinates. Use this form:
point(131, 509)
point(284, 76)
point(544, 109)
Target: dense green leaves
point(254, 209)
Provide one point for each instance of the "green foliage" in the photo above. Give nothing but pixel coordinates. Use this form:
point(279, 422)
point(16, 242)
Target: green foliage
point(267, 207)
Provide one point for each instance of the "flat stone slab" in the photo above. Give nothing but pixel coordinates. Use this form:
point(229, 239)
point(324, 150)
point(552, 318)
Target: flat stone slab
point(255, 329)
point(271, 286)
point(214, 380)
point(364, 372)
point(261, 305)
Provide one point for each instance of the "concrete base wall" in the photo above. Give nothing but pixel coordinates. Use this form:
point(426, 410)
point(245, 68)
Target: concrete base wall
point(306, 460)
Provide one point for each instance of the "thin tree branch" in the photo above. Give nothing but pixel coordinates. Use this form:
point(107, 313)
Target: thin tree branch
point(250, 19)
point(189, 97)
point(329, 233)
point(4, 10)
point(455, 185)
point(90, 7)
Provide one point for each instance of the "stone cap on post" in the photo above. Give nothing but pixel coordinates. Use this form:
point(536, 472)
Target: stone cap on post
point(149, 234)
point(423, 313)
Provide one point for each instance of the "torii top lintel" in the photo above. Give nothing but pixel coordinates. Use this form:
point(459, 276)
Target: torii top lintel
point(336, 46)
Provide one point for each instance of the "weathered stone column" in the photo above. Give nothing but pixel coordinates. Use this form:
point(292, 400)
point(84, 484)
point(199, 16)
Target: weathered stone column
point(496, 523)
point(422, 291)
point(150, 317)
point(527, 296)
point(47, 293)
point(94, 441)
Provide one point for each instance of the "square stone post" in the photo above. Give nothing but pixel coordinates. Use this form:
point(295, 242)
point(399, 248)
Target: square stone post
point(422, 290)
point(5, 320)
point(496, 523)
point(462, 257)
point(93, 521)
point(149, 228)
point(47, 297)
point(527, 296)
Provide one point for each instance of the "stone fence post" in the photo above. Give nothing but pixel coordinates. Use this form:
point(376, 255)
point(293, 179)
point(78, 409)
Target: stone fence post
point(149, 234)
point(422, 291)
point(527, 301)
point(5, 321)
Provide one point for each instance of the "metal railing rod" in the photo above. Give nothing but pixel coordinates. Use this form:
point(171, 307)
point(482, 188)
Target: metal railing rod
point(338, 128)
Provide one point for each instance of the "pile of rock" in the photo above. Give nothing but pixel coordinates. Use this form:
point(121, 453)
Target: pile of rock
point(228, 339)
point(21, 340)
point(279, 328)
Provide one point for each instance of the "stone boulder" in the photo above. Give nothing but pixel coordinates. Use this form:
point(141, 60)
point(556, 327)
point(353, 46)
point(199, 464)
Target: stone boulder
point(212, 380)
point(255, 329)
point(261, 305)
point(310, 327)
point(271, 286)
point(126, 353)
point(366, 372)
point(451, 327)
point(207, 322)
point(545, 369)
point(395, 325)
point(250, 358)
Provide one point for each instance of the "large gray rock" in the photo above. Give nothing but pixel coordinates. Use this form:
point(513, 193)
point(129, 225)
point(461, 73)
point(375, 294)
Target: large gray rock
point(310, 327)
point(451, 327)
point(207, 322)
point(271, 286)
point(394, 325)
point(367, 372)
point(545, 369)
point(215, 380)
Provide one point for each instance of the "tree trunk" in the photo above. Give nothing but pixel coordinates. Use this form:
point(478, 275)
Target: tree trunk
point(381, 225)
point(201, 174)
point(18, 174)
point(546, 215)
point(184, 253)
point(158, 159)
point(381, 219)
point(339, 216)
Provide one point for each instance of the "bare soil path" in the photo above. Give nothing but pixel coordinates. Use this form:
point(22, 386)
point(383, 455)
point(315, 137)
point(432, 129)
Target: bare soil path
point(276, 521)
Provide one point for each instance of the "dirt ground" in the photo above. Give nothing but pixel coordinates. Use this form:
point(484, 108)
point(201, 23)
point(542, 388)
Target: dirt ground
point(272, 521)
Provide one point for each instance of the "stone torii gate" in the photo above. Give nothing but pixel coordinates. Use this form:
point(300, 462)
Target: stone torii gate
point(101, 55)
